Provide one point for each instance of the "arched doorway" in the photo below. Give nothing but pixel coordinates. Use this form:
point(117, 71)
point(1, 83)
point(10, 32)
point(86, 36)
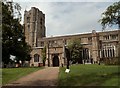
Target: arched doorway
point(55, 60)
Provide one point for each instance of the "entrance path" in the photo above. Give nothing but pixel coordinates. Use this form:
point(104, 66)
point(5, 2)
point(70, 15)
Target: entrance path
point(43, 77)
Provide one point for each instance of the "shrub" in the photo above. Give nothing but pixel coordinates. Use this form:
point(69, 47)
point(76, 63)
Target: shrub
point(112, 61)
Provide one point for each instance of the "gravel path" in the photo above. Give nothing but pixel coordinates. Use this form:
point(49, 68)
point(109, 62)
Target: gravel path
point(44, 77)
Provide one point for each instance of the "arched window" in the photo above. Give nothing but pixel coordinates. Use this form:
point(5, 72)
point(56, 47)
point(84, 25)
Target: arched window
point(36, 58)
point(103, 53)
point(108, 51)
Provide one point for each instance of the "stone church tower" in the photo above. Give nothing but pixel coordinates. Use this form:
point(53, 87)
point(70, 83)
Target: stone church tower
point(34, 23)
point(34, 29)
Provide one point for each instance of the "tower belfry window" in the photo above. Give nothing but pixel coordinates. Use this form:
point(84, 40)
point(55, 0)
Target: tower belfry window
point(41, 21)
point(28, 19)
point(28, 27)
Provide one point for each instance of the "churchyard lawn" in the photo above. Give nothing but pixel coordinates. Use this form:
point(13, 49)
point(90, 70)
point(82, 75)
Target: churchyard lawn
point(0, 76)
point(89, 75)
point(12, 74)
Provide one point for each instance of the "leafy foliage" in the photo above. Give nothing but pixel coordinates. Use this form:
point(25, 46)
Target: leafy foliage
point(75, 48)
point(44, 55)
point(114, 61)
point(13, 39)
point(111, 16)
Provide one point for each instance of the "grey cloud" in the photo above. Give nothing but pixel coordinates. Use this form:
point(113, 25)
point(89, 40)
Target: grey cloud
point(70, 17)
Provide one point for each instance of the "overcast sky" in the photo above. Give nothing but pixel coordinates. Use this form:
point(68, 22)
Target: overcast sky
point(67, 16)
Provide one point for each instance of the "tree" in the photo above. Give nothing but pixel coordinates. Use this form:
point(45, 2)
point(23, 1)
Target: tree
point(111, 16)
point(44, 55)
point(6, 33)
point(13, 39)
point(75, 48)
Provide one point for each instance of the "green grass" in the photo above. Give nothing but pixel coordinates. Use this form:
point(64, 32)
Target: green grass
point(12, 74)
point(0, 76)
point(89, 75)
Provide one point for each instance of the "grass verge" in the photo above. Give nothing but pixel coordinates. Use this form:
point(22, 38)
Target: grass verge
point(12, 74)
point(89, 75)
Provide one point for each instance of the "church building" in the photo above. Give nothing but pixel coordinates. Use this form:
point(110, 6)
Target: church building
point(99, 45)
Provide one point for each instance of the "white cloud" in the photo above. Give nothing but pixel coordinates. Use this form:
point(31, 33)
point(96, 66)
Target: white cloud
point(69, 17)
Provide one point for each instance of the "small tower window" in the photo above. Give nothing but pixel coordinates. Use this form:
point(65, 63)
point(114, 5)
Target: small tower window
point(28, 19)
point(28, 27)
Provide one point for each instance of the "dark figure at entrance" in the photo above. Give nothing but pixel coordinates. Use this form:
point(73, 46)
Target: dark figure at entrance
point(67, 56)
point(91, 60)
point(55, 61)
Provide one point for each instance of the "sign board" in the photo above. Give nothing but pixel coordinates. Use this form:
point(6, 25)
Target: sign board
point(67, 70)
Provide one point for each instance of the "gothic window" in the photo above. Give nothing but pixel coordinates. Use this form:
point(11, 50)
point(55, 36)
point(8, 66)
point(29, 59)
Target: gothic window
point(113, 53)
point(85, 53)
point(42, 43)
point(106, 37)
point(28, 27)
point(115, 36)
point(36, 58)
point(103, 53)
point(108, 51)
point(65, 42)
point(41, 21)
point(51, 43)
point(89, 39)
